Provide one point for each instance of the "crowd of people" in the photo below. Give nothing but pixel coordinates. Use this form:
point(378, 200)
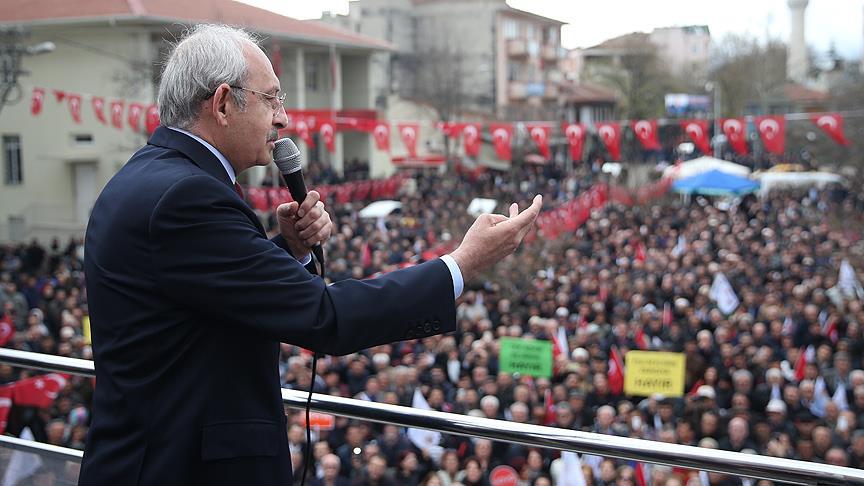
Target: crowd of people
point(781, 375)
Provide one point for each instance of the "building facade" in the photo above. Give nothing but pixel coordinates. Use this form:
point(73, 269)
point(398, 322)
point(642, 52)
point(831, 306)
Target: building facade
point(54, 167)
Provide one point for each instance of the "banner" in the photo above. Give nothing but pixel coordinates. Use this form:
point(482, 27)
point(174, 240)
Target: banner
point(502, 133)
point(610, 134)
point(575, 133)
point(540, 135)
point(409, 133)
point(133, 116)
point(616, 371)
point(74, 101)
point(646, 133)
point(471, 137)
point(381, 133)
point(697, 130)
point(36, 101)
point(652, 372)
point(117, 114)
point(530, 357)
point(98, 105)
point(326, 130)
point(304, 133)
point(832, 125)
point(735, 130)
point(772, 130)
point(151, 120)
point(721, 292)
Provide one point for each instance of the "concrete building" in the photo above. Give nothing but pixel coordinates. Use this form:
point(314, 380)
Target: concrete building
point(506, 58)
point(54, 168)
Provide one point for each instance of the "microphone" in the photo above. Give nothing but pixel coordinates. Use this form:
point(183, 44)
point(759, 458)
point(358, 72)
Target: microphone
point(286, 156)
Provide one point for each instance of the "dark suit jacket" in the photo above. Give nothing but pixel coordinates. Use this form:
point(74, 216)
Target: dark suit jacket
point(188, 302)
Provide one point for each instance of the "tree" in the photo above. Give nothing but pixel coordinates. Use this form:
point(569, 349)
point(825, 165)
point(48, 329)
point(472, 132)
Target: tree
point(749, 72)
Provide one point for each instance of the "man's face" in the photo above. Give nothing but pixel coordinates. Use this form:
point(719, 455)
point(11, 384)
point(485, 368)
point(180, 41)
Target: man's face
point(248, 138)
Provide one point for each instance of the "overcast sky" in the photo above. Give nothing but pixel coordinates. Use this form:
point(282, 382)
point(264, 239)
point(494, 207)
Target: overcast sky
point(592, 21)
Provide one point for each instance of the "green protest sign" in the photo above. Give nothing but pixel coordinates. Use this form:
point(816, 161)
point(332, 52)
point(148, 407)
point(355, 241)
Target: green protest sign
point(526, 356)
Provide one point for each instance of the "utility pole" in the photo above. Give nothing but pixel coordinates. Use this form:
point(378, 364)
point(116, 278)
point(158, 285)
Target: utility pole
point(12, 50)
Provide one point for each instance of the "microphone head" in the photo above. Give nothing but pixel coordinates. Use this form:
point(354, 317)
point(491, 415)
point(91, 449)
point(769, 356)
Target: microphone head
point(286, 155)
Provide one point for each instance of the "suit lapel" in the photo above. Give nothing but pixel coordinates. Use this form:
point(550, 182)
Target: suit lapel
point(198, 155)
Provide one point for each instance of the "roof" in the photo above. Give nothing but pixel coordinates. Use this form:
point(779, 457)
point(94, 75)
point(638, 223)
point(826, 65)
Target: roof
point(588, 93)
point(631, 40)
point(47, 12)
point(528, 15)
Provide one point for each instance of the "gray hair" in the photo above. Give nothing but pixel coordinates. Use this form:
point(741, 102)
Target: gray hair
point(207, 56)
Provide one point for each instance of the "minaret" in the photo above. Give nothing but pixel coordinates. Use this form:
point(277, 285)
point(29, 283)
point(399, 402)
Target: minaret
point(797, 62)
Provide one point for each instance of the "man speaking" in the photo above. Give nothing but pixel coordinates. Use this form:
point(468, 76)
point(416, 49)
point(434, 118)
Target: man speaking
point(189, 299)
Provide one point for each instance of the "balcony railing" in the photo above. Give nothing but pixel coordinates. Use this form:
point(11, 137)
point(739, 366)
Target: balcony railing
point(517, 47)
point(746, 465)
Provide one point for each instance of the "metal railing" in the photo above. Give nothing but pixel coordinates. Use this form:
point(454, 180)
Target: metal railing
point(738, 464)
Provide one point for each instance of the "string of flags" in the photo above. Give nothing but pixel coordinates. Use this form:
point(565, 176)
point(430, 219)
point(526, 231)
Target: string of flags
point(305, 123)
point(134, 111)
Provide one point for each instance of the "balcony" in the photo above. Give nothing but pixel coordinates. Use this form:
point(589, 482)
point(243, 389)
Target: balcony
point(517, 90)
point(551, 91)
point(549, 53)
point(517, 48)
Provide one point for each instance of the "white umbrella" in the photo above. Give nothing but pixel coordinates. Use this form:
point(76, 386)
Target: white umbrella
point(380, 209)
point(704, 164)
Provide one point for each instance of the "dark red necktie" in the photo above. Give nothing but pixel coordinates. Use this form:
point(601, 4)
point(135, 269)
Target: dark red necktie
point(239, 190)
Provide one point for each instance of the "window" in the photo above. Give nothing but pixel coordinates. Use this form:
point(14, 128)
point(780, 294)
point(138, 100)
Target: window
point(12, 160)
point(511, 29)
point(312, 75)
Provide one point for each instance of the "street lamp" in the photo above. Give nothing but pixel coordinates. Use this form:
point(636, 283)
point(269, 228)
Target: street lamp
point(12, 49)
point(718, 139)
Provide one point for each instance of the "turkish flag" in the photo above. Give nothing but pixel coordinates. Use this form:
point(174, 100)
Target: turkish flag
point(117, 114)
point(502, 133)
point(697, 130)
point(772, 130)
point(610, 134)
point(471, 133)
point(36, 101)
point(7, 332)
point(832, 124)
point(450, 129)
point(5, 406)
point(409, 133)
point(646, 133)
point(303, 131)
point(540, 135)
point(381, 133)
point(133, 116)
point(74, 101)
point(151, 119)
point(38, 391)
point(575, 133)
point(327, 131)
point(736, 132)
point(98, 104)
point(616, 372)
point(59, 95)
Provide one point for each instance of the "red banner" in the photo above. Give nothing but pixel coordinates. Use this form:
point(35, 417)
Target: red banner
point(98, 105)
point(646, 133)
point(5, 406)
point(575, 133)
point(540, 135)
point(697, 130)
point(151, 120)
point(327, 132)
point(502, 133)
point(36, 101)
point(610, 134)
point(133, 116)
point(471, 135)
point(117, 114)
point(59, 95)
point(74, 101)
point(449, 129)
point(772, 130)
point(409, 133)
point(832, 125)
point(735, 130)
point(38, 391)
point(303, 131)
point(381, 132)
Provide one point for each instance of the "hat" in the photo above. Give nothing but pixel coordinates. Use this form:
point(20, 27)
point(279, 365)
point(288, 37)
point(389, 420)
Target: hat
point(776, 405)
point(579, 354)
point(706, 391)
point(562, 312)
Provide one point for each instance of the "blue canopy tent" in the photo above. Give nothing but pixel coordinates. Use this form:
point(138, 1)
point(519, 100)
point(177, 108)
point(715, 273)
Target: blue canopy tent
point(715, 183)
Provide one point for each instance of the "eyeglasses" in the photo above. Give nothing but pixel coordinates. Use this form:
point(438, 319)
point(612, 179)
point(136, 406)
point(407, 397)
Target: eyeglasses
point(276, 101)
